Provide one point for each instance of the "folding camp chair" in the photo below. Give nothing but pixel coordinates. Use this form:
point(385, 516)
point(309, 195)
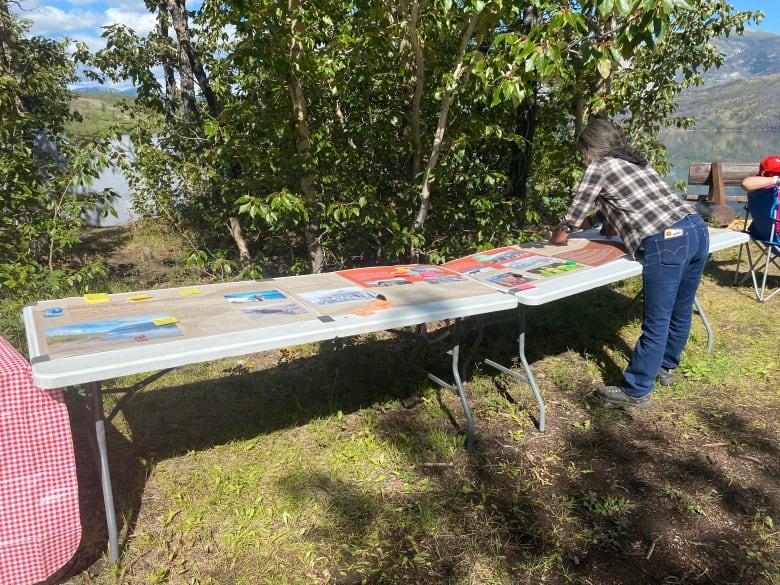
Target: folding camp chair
point(761, 212)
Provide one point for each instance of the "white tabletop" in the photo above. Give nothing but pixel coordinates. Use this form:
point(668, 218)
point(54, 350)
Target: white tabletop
point(72, 341)
point(613, 271)
point(208, 327)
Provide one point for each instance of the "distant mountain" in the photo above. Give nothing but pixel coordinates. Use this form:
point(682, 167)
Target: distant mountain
point(743, 94)
point(754, 54)
point(128, 91)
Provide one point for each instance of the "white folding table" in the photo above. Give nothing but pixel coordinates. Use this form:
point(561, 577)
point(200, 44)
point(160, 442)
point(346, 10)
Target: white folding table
point(90, 339)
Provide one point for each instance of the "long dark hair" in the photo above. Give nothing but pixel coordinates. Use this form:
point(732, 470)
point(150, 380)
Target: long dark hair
point(598, 137)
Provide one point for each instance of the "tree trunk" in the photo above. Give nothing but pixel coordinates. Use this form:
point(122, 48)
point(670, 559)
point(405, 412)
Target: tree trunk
point(522, 155)
point(186, 79)
point(238, 237)
point(191, 68)
point(312, 230)
point(458, 74)
point(169, 72)
point(525, 128)
point(413, 117)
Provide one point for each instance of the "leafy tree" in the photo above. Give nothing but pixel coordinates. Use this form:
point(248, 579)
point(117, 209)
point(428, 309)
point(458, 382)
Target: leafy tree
point(43, 190)
point(560, 63)
point(341, 132)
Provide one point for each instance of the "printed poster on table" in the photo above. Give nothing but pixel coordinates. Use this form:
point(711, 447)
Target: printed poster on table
point(501, 267)
point(105, 334)
point(399, 275)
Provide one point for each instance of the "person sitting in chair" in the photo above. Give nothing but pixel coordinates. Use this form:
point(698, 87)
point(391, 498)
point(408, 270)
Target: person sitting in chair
point(768, 175)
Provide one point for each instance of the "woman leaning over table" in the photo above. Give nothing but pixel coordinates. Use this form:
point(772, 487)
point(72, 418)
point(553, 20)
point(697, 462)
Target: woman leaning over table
point(660, 229)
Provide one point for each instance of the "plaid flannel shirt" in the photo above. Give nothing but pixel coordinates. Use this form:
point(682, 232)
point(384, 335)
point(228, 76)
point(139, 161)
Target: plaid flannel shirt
point(635, 200)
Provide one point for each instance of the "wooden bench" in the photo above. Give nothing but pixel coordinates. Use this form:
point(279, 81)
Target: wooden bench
point(717, 176)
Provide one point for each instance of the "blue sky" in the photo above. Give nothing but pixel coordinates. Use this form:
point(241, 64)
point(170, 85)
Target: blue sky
point(81, 20)
point(771, 22)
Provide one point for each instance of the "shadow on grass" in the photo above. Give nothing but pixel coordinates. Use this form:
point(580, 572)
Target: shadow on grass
point(635, 507)
point(507, 501)
point(589, 324)
point(344, 376)
point(96, 241)
point(169, 421)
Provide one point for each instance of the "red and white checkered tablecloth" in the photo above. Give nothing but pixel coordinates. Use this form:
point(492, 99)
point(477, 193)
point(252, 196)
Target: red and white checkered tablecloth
point(40, 528)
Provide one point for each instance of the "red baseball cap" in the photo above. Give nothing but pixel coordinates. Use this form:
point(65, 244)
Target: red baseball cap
point(769, 166)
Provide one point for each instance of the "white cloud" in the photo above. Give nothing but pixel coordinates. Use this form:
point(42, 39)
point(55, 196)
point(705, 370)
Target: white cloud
point(93, 41)
point(141, 21)
point(52, 22)
point(81, 19)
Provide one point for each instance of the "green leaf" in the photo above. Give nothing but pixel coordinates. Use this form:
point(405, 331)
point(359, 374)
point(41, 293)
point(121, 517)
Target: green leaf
point(604, 67)
point(605, 7)
point(623, 7)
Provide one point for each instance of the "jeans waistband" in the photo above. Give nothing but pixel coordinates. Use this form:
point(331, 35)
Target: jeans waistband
point(684, 222)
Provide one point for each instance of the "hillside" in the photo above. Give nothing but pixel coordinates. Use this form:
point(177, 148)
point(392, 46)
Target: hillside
point(746, 104)
point(752, 54)
point(742, 94)
point(99, 111)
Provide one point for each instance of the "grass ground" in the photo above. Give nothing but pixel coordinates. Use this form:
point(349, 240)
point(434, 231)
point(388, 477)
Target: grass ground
point(339, 463)
point(99, 111)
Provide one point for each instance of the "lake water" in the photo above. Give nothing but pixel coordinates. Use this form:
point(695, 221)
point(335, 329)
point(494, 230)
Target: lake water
point(687, 146)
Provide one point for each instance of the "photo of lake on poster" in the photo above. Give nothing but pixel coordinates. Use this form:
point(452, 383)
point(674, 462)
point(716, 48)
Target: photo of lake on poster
point(255, 296)
point(108, 334)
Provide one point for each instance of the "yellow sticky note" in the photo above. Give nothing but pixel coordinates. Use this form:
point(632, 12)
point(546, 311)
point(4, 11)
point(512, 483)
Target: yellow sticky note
point(189, 291)
point(142, 297)
point(165, 321)
point(96, 297)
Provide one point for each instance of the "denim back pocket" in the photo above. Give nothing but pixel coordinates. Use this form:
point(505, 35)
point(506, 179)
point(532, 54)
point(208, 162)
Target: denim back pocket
point(673, 251)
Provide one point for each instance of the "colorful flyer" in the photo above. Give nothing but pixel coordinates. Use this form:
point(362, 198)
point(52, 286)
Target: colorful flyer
point(96, 335)
point(382, 276)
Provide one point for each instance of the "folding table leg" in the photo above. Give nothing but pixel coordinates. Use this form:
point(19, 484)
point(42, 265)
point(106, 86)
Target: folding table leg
point(529, 376)
point(527, 368)
point(706, 323)
point(460, 390)
point(94, 394)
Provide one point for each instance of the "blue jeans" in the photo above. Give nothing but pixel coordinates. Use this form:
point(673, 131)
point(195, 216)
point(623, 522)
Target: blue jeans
point(671, 273)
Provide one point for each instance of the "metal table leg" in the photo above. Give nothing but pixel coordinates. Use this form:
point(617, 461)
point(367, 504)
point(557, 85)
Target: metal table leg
point(528, 377)
point(706, 323)
point(94, 394)
point(459, 389)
